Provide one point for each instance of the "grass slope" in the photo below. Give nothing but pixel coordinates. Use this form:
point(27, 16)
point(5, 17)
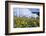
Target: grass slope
point(23, 22)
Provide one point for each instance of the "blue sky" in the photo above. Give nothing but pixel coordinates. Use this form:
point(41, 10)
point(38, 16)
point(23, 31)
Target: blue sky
point(24, 11)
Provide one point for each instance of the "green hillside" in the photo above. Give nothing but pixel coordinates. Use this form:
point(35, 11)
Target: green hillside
point(23, 22)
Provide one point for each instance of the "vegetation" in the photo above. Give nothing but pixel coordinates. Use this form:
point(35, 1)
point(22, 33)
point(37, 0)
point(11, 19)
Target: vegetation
point(23, 22)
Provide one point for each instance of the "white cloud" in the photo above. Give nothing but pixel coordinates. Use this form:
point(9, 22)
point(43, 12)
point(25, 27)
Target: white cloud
point(24, 12)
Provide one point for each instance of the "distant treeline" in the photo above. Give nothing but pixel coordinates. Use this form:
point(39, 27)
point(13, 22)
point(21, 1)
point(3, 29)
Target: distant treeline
point(36, 13)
